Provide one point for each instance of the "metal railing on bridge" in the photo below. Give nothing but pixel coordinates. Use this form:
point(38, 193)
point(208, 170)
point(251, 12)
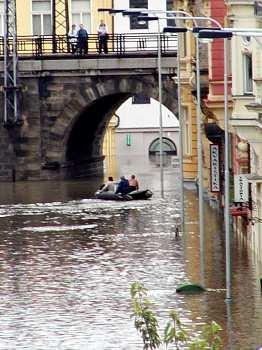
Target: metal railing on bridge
point(118, 44)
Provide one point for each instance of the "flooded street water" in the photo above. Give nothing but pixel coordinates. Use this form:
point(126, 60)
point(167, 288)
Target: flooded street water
point(67, 262)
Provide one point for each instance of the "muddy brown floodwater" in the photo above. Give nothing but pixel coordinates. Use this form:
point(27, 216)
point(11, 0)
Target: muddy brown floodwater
point(67, 262)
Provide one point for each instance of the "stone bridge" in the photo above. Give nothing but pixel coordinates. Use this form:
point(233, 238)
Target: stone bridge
point(65, 106)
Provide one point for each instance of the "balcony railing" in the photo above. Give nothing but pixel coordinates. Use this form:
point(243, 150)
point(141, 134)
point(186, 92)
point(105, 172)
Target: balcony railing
point(118, 45)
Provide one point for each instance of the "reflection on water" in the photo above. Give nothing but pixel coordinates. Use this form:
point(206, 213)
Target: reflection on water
point(67, 264)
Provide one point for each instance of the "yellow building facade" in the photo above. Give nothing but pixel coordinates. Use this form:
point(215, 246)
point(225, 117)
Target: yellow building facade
point(188, 100)
point(109, 148)
point(34, 17)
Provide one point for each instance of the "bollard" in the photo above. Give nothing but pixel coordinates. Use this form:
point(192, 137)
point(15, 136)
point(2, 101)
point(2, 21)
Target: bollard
point(261, 284)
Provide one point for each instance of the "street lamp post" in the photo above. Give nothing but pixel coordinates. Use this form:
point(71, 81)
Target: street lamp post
point(200, 166)
point(200, 159)
point(180, 118)
point(159, 60)
point(210, 34)
point(137, 12)
point(140, 12)
point(186, 16)
point(178, 15)
point(199, 137)
point(160, 93)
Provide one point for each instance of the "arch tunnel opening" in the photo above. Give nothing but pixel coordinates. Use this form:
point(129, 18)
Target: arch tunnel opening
point(136, 132)
point(86, 154)
point(84, 146)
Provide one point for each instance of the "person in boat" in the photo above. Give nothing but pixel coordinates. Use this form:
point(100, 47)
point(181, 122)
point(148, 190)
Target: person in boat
point(133, 183)
point(109, 186)
point(123, 186)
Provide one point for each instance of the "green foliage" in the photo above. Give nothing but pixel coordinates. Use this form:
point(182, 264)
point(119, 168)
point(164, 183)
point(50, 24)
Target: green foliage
point(145, 319)
point(174, 334)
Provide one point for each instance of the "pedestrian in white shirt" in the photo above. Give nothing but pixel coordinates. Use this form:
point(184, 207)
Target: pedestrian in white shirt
point(72, 36)
point(103, 36)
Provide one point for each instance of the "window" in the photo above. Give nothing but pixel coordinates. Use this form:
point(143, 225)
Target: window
point(134, 24)
point(170, 7)
point(41, 17)
point(248, 74)
point(138, 4)
point(1, 18)
point(169, 150)
point(128, 139)
point(81, 13)
point(186, 137)
point(140, 100)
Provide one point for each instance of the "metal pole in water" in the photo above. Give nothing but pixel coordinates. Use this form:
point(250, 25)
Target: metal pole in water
point(200, 168)
point(180, 134)
point(160, 111)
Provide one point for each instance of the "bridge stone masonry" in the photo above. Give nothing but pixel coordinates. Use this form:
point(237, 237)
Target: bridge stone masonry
point(65, 107)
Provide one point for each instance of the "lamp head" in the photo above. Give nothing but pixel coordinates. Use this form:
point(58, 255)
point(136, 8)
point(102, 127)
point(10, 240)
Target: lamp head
point(144, 19)
point(103, 9)
point(197, 29)
point(131, 13)
point(147, 18)
point(215, 34)
point(114, 12)
point(175, 30)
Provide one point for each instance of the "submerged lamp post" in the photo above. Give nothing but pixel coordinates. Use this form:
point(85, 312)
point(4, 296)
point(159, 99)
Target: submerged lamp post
point(200, 153)
point(142, 15)
point(213, 34)
point(160, 94)
point(182, 15)
point(137, 12)
point(178, 30)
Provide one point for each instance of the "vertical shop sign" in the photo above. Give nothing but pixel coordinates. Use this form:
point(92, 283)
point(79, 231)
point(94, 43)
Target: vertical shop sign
point(214, 168)
point(240, 188)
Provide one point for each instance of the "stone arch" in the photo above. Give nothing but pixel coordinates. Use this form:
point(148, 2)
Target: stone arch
point(90, 105)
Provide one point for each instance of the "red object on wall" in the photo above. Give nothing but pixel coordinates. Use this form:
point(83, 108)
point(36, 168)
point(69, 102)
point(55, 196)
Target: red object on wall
point(239, 211)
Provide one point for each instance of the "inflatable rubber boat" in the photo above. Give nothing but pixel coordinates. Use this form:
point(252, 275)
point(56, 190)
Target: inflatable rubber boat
point(108, 195)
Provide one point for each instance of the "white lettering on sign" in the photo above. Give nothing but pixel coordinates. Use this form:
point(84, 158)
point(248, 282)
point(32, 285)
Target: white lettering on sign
point(214, 167)
point(240, 188)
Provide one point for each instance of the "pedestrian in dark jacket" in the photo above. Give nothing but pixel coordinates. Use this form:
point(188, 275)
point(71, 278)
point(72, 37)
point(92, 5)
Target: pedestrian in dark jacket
point(82, 40)
point(123, 186)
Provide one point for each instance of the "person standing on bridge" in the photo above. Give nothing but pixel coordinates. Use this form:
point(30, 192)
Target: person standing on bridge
point(82, 40)
point(72, 36)
point(102, 32)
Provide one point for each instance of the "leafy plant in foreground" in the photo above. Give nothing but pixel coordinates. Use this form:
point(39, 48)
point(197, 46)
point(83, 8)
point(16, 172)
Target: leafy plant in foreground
point(145, 319)
point(174, 334)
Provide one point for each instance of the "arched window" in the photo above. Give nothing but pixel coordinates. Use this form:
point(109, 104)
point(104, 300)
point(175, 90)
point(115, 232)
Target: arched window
point(169, 150)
